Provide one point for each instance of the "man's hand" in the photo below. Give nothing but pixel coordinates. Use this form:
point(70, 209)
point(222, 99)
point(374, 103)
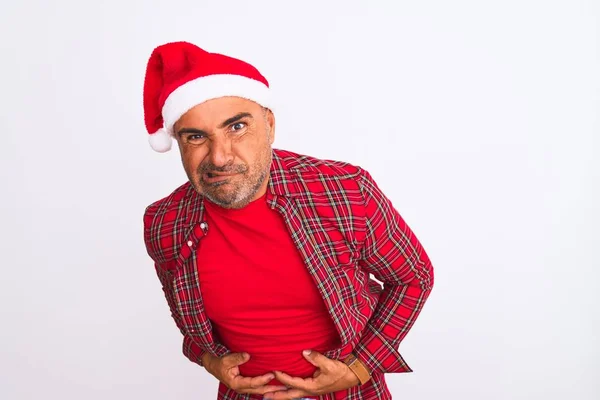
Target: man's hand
point(226, 370)
point(331, 376)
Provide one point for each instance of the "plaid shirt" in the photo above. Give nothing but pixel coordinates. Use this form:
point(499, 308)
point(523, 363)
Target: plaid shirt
point(344, 228)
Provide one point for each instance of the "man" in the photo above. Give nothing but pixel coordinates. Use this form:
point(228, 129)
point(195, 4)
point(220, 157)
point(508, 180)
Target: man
point(264, 255)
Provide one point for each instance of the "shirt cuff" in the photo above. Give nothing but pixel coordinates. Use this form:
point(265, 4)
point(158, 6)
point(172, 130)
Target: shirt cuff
point(378, 353)
point(192, 351)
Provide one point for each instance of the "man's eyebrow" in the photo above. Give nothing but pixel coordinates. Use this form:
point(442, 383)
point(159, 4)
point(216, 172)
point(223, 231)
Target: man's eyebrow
point(235, 118)
point(195, 131)
point(223, 124)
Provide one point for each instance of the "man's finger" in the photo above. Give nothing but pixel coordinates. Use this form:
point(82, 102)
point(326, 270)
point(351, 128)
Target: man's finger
point(268, 389)
point(235, 359)
point(296, 383)
point(242, 382)
point(317, 359)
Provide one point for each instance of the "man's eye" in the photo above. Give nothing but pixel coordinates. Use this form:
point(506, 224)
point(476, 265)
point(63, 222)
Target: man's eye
point(195, 138)
point(238, 126)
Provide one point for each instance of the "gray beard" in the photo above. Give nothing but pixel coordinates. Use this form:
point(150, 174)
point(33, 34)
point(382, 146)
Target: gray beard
point(238, 199)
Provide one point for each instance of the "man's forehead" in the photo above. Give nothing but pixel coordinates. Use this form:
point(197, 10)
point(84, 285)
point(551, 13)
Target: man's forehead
point(215, 111)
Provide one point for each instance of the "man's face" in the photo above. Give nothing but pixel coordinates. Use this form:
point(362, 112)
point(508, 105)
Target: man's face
point(225, 146)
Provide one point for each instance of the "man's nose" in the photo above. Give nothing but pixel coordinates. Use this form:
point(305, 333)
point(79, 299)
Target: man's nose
point(221, 153)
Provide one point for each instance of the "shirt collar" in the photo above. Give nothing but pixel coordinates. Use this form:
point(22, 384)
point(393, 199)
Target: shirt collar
point(283, 178)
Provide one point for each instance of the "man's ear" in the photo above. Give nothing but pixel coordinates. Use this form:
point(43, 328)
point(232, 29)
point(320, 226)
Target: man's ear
point(270, 120)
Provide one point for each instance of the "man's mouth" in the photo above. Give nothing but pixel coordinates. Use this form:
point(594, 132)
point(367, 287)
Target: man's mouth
point(213, 177)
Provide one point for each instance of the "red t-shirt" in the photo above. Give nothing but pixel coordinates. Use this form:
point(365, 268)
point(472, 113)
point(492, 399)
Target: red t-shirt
point(258, 293)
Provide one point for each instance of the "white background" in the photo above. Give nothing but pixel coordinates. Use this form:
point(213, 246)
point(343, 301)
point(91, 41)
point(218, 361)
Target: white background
point(479, 119)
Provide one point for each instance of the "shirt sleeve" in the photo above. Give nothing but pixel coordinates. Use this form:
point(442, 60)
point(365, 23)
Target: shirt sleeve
point(190, 348)
point(393, 254)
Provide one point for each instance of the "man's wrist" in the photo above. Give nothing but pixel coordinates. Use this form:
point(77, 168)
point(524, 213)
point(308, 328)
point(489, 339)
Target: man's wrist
point(358, 368)
point(205, 358)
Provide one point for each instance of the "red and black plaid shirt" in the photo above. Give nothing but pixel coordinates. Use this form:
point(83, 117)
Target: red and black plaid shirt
point(345, 229)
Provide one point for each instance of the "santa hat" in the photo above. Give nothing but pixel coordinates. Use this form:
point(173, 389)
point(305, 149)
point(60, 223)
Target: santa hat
point(181, 75)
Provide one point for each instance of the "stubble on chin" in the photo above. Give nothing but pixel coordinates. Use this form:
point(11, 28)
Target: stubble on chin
point(231, 195)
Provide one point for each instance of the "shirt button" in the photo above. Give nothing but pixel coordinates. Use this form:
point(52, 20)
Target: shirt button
point(203, 225)
point(190, 243)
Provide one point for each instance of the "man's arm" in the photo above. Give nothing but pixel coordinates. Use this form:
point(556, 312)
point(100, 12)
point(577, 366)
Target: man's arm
point(190, 349)
point(394, 255)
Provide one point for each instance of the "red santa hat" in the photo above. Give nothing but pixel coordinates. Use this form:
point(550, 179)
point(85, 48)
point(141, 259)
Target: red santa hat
point(181, 75)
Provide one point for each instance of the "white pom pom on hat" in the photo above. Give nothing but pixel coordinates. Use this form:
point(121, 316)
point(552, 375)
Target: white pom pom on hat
point(180, 75)
point(161, 141)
